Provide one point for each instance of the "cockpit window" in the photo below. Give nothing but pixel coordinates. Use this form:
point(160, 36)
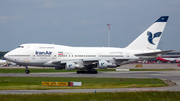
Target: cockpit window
point(21, 46)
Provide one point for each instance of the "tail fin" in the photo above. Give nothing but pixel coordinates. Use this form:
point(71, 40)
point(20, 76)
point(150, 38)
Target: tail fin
point(149, 39)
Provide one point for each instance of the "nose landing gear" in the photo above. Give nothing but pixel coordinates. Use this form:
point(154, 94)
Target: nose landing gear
point(27, 71)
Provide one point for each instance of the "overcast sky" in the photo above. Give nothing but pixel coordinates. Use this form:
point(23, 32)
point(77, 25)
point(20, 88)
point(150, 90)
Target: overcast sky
point(84, 22)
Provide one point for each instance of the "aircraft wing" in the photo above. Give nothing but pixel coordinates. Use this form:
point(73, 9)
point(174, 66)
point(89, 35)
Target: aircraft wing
point(74, 60)
point(125, 58)
point(89, 61)
point(95, 59)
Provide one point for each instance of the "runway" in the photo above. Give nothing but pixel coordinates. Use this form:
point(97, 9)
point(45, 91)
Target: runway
point(174, 76)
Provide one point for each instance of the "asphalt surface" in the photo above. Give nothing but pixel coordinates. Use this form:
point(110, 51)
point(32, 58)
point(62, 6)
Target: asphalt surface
point(174, 76)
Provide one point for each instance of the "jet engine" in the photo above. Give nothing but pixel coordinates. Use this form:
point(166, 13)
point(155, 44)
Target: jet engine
point(103, 64)
point(70, 66)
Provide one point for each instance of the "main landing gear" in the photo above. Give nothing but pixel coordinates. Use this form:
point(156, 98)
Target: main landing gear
point(87, 71)
point(27, 71)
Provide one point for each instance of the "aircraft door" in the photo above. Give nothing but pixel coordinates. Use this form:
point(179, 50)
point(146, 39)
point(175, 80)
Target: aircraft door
point(54, 55)
point(33, 57)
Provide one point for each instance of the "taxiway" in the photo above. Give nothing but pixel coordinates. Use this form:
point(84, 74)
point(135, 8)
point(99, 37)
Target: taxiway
point(174, 76)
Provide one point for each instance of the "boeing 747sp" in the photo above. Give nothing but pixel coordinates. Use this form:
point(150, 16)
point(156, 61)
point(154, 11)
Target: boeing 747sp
point(86, 59)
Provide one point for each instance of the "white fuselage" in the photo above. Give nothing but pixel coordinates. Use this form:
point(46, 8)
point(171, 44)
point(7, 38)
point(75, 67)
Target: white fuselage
point(41, 54)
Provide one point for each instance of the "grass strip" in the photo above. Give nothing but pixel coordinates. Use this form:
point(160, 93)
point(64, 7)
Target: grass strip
point(18, 83)
point(105, 96)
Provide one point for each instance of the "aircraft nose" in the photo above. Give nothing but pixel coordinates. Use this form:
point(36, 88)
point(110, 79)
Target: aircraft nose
point(6, 56)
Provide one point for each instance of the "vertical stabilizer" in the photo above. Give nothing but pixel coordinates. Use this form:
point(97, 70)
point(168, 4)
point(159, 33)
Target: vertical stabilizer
point(150, 38)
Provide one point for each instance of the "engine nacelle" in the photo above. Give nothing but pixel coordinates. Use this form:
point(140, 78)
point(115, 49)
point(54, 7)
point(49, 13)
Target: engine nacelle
point(103, 65)
point(70, 66)
point(111, 65)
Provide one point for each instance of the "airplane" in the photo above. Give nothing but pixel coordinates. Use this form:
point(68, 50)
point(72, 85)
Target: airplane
point(3, 62)
point(86, 59)
point(172, 60)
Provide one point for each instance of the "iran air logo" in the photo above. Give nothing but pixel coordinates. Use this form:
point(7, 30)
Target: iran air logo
point(152, 36)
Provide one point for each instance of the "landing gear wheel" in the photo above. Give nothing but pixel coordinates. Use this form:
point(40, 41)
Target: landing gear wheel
point(88, 71)
point(27, 71)
point(95, 72)
point(78, 72)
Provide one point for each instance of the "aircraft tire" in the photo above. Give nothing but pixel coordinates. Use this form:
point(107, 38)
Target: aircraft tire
point(78, 72)
point(27, 71)
point(94, 72)
point(87, 72)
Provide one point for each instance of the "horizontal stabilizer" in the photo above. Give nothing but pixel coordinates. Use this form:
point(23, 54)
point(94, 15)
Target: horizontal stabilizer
point(153, 53)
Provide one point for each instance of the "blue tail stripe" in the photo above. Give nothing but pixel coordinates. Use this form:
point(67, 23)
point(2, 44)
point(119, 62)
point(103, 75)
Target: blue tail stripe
point(162, 19)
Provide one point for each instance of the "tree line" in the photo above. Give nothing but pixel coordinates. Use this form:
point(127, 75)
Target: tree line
point(2, 54)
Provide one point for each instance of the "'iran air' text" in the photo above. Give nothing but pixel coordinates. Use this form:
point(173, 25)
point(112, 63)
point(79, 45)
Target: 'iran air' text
point(43, 53)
